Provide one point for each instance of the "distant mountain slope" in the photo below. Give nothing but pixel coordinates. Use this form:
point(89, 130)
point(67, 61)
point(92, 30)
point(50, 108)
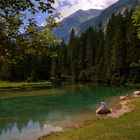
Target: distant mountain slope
point(106, 14)
point(73, 21)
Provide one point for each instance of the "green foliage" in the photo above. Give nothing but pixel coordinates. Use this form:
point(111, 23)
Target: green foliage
point(5, 72)
point(40, 39)
point(111, 57)
point(29, 80)
point(136, 20)
point(108, 54)
point(35, 41)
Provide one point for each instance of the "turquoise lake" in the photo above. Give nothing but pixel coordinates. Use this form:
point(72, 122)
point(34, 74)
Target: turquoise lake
point(27, 118)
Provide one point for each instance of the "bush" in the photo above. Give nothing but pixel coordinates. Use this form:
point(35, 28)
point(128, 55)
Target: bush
point(29, 79)
point(33, 78)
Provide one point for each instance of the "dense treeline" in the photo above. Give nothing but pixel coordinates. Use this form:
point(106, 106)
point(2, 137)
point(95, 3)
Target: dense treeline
point(108, 54)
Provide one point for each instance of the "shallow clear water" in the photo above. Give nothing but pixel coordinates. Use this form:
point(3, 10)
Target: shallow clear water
point(39, 115)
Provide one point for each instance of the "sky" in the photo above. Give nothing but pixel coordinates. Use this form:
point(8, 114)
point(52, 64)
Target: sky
point(68, 7)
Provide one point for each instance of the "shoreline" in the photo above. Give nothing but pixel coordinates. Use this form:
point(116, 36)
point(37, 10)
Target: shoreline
point(81, 121)
point(126, 107)
point(110, 128)
point(116, 113)
point(10, 86)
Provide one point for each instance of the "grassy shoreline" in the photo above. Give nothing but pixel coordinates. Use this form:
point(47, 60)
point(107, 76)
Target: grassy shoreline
point(126, 127)
point(5, 85)
point(24, 89)
point(14, 89)
point(21, 85)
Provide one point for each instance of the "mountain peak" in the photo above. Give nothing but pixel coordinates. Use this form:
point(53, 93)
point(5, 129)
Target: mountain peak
point(73, 21)
point(81, 20)
point(107, 13)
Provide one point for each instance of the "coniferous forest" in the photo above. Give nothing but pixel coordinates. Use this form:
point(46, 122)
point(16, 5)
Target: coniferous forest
point(109, 54)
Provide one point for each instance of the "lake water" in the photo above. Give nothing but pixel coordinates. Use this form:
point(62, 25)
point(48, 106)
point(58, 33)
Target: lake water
point(27, 118)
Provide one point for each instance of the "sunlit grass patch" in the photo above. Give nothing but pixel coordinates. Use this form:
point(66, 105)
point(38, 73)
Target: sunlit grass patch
point(5, 84)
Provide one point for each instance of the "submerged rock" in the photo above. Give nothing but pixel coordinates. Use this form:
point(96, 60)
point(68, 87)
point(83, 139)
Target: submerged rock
point(137, 93)
point(101, 110)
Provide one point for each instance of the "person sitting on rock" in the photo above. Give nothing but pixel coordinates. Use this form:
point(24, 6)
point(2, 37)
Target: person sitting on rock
point(103, 105)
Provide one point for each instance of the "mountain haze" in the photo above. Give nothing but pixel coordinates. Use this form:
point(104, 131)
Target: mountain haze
point(73, 21)
point(107, 13)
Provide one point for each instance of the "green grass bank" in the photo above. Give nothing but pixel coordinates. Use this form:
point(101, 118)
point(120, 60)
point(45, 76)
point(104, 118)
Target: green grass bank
point(127, 127)
point(14, 89)
point(20, 85)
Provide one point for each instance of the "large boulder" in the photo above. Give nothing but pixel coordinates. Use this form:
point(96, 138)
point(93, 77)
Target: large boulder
point(101, 110)
point(137, 93)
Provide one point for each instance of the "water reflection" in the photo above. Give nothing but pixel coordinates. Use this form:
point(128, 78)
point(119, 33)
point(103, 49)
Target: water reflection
point(30, 131)
point(22, 116)
point(13, 127)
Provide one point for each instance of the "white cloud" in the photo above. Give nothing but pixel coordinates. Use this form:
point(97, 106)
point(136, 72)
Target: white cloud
point(67, 7)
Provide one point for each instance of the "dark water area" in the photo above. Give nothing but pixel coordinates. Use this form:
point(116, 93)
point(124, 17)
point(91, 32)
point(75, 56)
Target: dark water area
point(41, 114)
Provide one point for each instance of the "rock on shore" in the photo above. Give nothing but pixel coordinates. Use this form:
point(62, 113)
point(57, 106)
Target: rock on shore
point(136, 94)
point(101, 110)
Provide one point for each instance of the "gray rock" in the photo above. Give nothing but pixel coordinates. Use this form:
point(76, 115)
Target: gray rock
point(101, 110)
point(137, 93)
